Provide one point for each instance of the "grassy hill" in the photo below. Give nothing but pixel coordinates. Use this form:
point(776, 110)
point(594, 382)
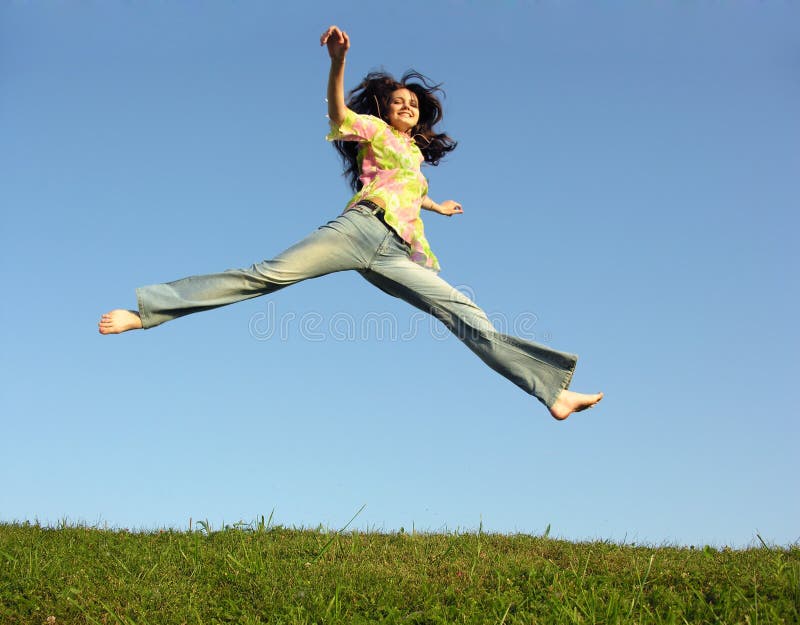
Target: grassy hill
point(261, 574)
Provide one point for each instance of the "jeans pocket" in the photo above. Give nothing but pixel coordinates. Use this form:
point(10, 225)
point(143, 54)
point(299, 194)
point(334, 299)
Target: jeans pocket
point(393, 245)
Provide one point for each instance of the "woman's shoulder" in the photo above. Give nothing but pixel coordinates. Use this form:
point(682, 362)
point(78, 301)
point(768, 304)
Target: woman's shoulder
point(371, 119)
point(357, 127)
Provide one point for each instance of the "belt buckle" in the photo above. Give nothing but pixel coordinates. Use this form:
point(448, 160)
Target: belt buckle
point(372, 207)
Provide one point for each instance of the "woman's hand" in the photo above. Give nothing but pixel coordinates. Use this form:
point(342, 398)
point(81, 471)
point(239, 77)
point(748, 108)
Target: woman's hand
point(448, 207)
point(338, 43)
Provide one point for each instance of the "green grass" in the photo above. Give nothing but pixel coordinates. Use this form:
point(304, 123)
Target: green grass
point(261, 574)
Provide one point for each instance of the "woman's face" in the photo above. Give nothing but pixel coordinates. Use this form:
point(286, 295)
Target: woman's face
point(403, 110)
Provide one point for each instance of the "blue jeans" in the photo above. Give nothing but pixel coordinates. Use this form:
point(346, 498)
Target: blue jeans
point(358, 240)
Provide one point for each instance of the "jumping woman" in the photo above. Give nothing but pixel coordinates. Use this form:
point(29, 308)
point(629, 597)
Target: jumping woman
point(384, 134)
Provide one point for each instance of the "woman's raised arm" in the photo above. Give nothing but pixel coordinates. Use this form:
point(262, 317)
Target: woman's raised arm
point(338, 44)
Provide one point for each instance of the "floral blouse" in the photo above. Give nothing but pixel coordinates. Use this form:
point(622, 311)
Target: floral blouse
point(390, 172)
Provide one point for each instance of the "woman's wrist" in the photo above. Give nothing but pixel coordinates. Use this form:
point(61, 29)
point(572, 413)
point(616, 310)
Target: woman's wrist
point(429, 204)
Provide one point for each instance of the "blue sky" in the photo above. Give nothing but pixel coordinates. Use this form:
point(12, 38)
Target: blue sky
point(629, 175)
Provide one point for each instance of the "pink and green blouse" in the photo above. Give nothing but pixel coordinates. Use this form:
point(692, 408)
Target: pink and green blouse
point(390, 172)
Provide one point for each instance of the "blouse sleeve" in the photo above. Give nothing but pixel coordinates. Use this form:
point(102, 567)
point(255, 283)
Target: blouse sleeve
point(355, 127)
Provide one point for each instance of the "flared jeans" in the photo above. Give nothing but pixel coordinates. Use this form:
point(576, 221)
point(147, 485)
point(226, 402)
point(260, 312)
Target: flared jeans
point(358, 240)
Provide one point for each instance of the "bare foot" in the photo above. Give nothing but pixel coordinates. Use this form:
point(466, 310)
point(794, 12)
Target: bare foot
point(568, 402)
point(118, 321)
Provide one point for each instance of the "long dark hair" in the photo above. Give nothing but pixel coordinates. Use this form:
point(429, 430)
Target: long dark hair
point(372, 97)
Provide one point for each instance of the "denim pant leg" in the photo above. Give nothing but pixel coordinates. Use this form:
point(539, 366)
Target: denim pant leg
point(537, 369)
point(341, 244)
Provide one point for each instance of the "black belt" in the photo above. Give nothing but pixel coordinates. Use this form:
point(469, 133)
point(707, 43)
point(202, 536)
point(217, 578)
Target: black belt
point(376, 210)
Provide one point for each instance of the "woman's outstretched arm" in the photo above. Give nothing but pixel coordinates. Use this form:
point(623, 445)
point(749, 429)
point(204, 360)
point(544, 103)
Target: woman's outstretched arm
point(338, 44)
point(448, 207)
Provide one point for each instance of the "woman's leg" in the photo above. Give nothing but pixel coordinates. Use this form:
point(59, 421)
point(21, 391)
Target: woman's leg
point(539, 370)
point(339, 245)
